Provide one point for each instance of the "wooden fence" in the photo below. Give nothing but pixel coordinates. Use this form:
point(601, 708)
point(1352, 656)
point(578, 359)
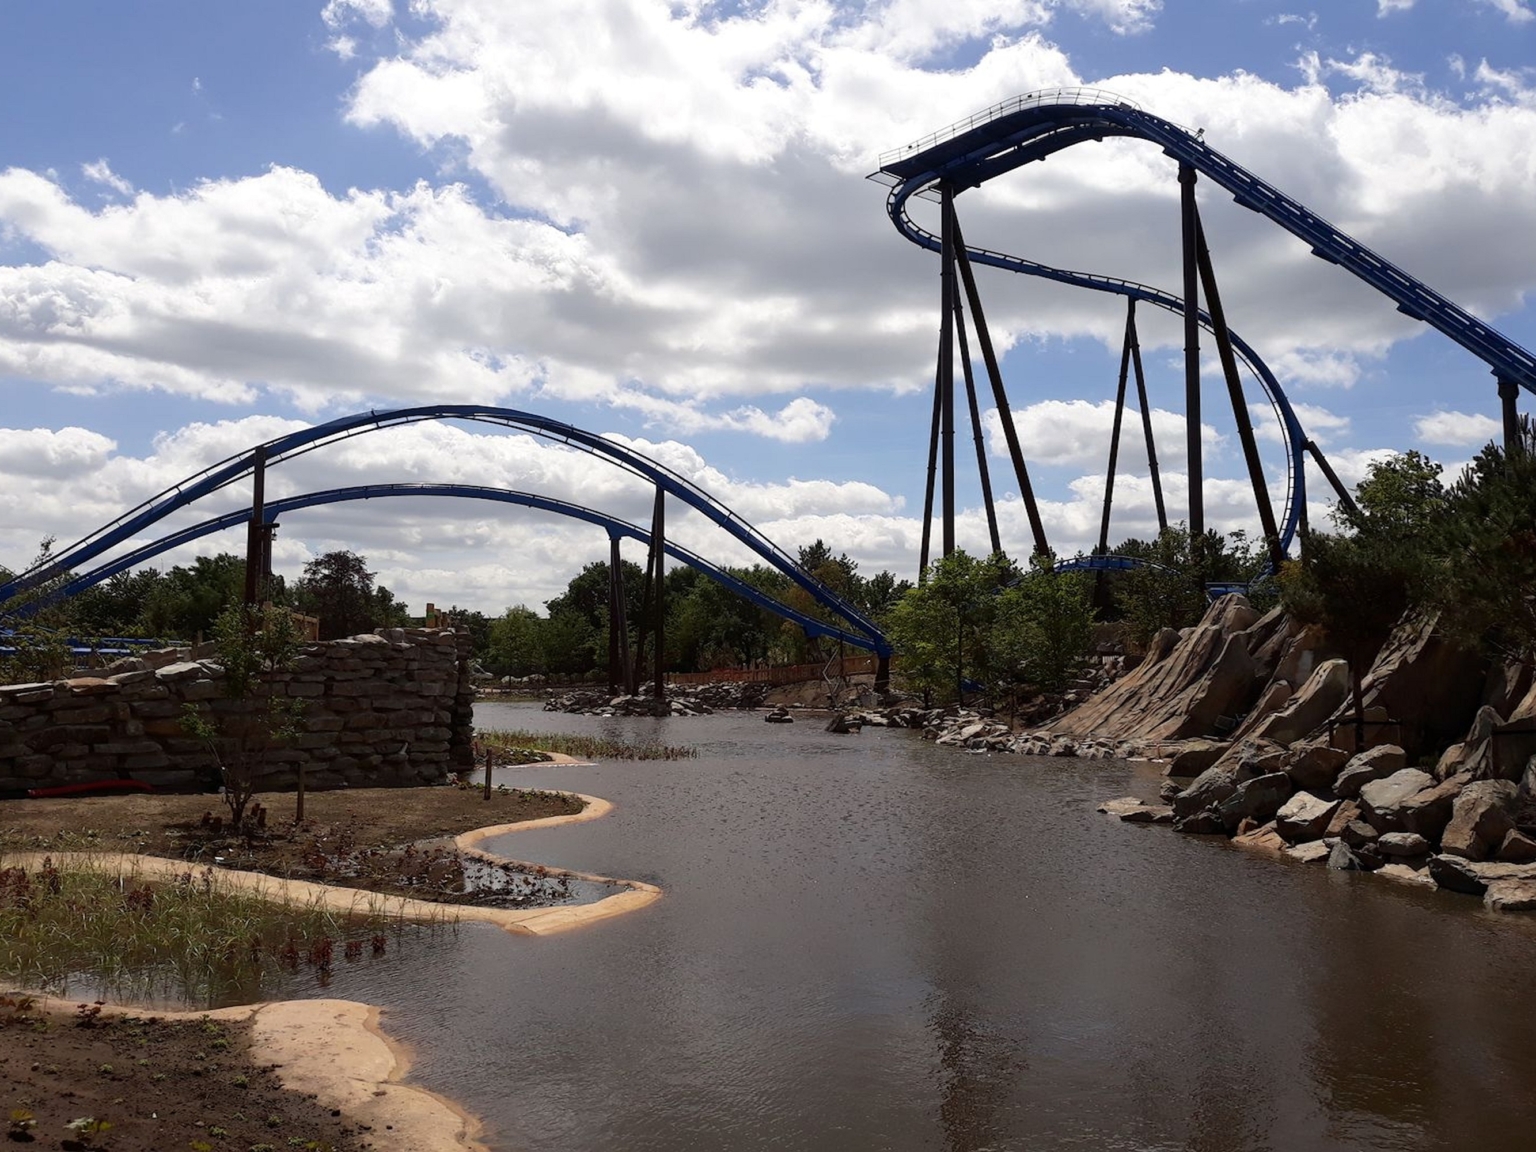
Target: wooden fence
point(783, 674)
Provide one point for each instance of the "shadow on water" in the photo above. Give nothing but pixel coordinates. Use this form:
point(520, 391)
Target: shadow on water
point(870, 943)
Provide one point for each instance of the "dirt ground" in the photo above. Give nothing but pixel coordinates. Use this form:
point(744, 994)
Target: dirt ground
point(157, 1085)
point(357, 837)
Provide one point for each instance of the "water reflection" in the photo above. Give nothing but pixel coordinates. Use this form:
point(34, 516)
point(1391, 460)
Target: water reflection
point(869, 943)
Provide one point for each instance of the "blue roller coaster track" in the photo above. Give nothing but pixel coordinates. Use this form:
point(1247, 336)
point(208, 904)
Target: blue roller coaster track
point(621, 529)
point(1033, 127)
point(133, 523)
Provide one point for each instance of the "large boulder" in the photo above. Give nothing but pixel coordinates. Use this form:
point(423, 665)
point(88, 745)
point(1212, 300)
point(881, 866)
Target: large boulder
point(1472, 876)
point(1422, 680)
point(1480, 819)
point(1402, 844)
point(1517, 848)
point(1257, 799)
point(1264, 840)
point(1429, 811)
point(1309, 709)
point(1315, 765)
point(1382, 800)
point(1510, 896)
point(1305, 817)
point(1207, 790)
point(1373, 764)
point(1185, 685)
point(1195, 757)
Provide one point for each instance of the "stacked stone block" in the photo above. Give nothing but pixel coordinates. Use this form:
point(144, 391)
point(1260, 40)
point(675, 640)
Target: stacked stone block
point(379, 710)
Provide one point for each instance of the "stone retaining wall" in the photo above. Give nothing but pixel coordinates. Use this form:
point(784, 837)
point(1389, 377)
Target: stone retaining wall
point(380, 710)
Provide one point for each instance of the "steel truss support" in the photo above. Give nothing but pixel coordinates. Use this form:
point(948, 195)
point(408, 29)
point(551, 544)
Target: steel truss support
point(995, 378)
point(947, 374)
point(257, 530)
point(981, 448)
point(1146, 417)
point(1114, 435)
point(1190, 226)
point(1509, 392)
point(621, 673)
point(1239, 403)
point(933, 464)
point(1332, 477)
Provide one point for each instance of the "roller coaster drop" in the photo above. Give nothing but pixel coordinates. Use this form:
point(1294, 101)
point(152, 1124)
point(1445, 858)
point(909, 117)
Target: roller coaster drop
point(1033, 127)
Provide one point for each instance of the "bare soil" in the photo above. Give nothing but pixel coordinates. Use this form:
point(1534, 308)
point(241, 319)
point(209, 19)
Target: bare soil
point(378, 839)
point(156, 1084)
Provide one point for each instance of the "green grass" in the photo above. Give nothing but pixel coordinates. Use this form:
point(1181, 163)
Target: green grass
point(191, 941)
point(510, 744)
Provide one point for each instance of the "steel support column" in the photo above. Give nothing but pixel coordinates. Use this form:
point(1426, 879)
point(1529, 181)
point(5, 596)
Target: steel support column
point(658, 545)
point(995, 377)
point(1239, 403)
point(1333, 479)
point(1114, 435)
point(1190, 229)
point(981, 449)
point(256, 528)
point(1509, 393)
point(1146, 417)
point(933, 464)
point(947, 372)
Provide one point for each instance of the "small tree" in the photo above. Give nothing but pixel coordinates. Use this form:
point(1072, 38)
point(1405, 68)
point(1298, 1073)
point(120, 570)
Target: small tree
point(1044, 625)
point(33, 627)
point(255, 646)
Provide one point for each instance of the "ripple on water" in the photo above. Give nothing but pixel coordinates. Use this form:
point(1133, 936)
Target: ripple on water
point(867, 942)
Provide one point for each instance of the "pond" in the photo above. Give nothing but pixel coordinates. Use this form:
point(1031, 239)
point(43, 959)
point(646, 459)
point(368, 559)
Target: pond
point(868, 942)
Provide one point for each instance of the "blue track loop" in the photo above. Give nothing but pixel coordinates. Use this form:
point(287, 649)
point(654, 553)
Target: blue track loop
point(1034, 126)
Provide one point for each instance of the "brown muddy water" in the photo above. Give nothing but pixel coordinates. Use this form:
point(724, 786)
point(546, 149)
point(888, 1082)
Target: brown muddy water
point(867, 942)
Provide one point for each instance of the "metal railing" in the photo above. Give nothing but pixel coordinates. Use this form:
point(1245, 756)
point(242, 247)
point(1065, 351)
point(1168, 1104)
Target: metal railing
point(1044, 96)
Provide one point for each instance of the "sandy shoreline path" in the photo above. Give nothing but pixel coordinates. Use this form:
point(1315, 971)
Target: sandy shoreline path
point(336, 1050)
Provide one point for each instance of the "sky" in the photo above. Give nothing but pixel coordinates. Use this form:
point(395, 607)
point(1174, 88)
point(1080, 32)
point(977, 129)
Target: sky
point(222, 222)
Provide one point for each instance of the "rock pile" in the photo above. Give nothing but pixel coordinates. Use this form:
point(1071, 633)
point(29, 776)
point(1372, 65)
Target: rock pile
point(1369, 812)
point(594, 702)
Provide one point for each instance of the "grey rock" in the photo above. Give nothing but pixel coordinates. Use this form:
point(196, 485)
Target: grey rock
point(1257, 799)
point(1343, 859)
point(1210, 788)
point(1428, 812)
point(1203, 823)
point(1373, 764)
point(1402, 844)
point(1149, 814)
point(1473, 877)
point(1315, 765)
point(1480, 819)
point(1381, 800)
point(1311, 706)
point(1405, 874)
point(1357, 834)
point(1195, 757)
point(1517, 848)
point(1510, 896)
point(1305, 817)
point(1313, 852)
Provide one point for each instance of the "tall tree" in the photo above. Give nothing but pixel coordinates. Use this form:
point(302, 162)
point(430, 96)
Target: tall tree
point(1485, 586)
point(338, 588)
